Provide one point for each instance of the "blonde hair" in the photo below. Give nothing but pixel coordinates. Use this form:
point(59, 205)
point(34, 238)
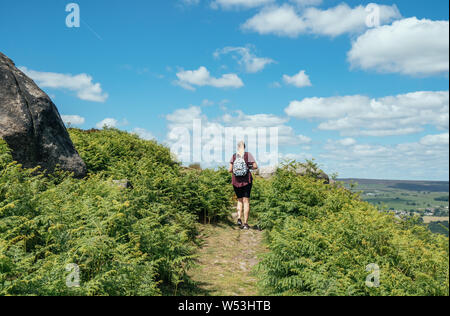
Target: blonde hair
point(241, 148)
point(242, 144)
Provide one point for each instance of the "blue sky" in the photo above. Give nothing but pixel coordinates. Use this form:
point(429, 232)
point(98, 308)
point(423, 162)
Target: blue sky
point(364, 100)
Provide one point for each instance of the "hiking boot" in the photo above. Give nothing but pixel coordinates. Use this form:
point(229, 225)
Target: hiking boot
point(246, 227)
point(239, 222)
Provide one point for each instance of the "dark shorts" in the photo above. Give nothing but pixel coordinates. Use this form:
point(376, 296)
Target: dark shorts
point(243, 192)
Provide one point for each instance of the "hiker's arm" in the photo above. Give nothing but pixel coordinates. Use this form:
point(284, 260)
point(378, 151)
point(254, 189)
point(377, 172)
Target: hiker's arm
point(252, 162)
point(230, 169)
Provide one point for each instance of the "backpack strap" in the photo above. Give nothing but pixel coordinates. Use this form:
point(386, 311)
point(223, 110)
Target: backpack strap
point(245, 157)
point(246, 160)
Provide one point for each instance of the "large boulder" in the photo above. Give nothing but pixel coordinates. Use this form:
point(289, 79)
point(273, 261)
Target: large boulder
point(31, 125)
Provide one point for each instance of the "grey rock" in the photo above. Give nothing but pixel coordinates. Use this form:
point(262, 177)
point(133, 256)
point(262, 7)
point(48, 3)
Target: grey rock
point(267, 172)
point(301, 170)
point(31, 125)
point(123, 184)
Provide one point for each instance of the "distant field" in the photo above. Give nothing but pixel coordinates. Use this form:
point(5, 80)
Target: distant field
point(428, 186)
point(431, 219)
point(421, 197)
point(402, 195)
point(439, 227)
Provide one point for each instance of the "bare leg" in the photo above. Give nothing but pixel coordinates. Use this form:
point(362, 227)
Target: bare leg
point(239, 208)
point(246, 209)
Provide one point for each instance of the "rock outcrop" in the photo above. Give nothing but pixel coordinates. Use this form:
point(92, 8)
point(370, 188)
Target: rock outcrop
point(267, 172)
point(31, 125)
point(316, 173)
point(301, 170)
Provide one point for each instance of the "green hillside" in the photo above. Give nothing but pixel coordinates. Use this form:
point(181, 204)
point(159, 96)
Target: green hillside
point(144, 240)
point(125, 242)
point(322, 238)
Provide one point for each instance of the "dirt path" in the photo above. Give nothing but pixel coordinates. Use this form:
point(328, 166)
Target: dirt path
point(226, 260)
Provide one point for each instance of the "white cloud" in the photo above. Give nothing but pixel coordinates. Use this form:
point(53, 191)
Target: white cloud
point(347, 142)
point(300, 157)
point(107, 122)
point(246, 58)
point(307, 3)
point(184, 117)
point(361, 115)
point(190, 2)
point(406, 161)
point(286, 134)
point(182, 120)
point(275, 85)
point(282, 21)
point(233, 4)
point(343, 19)
point(81, 84)
point(143, 133)
point(302, 139)
point(207, 102)
point(285, 20)
point(424, 159)
point(433, 140)
point(257, 120)
point(73, 119)
point(299, 80)
point(326, 108)
point(202, 77)
point(409, 46)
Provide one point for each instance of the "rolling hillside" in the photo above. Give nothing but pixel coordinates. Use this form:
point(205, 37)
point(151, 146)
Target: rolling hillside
point(148, 238)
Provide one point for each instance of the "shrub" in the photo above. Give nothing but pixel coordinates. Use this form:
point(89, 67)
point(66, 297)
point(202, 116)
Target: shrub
point(321, 239)
point(137, 241)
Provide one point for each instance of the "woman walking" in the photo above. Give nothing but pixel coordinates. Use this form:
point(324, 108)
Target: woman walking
point(240, 165)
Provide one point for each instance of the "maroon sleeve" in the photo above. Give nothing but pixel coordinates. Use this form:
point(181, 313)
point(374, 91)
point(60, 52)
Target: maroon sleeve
point(250, 158)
